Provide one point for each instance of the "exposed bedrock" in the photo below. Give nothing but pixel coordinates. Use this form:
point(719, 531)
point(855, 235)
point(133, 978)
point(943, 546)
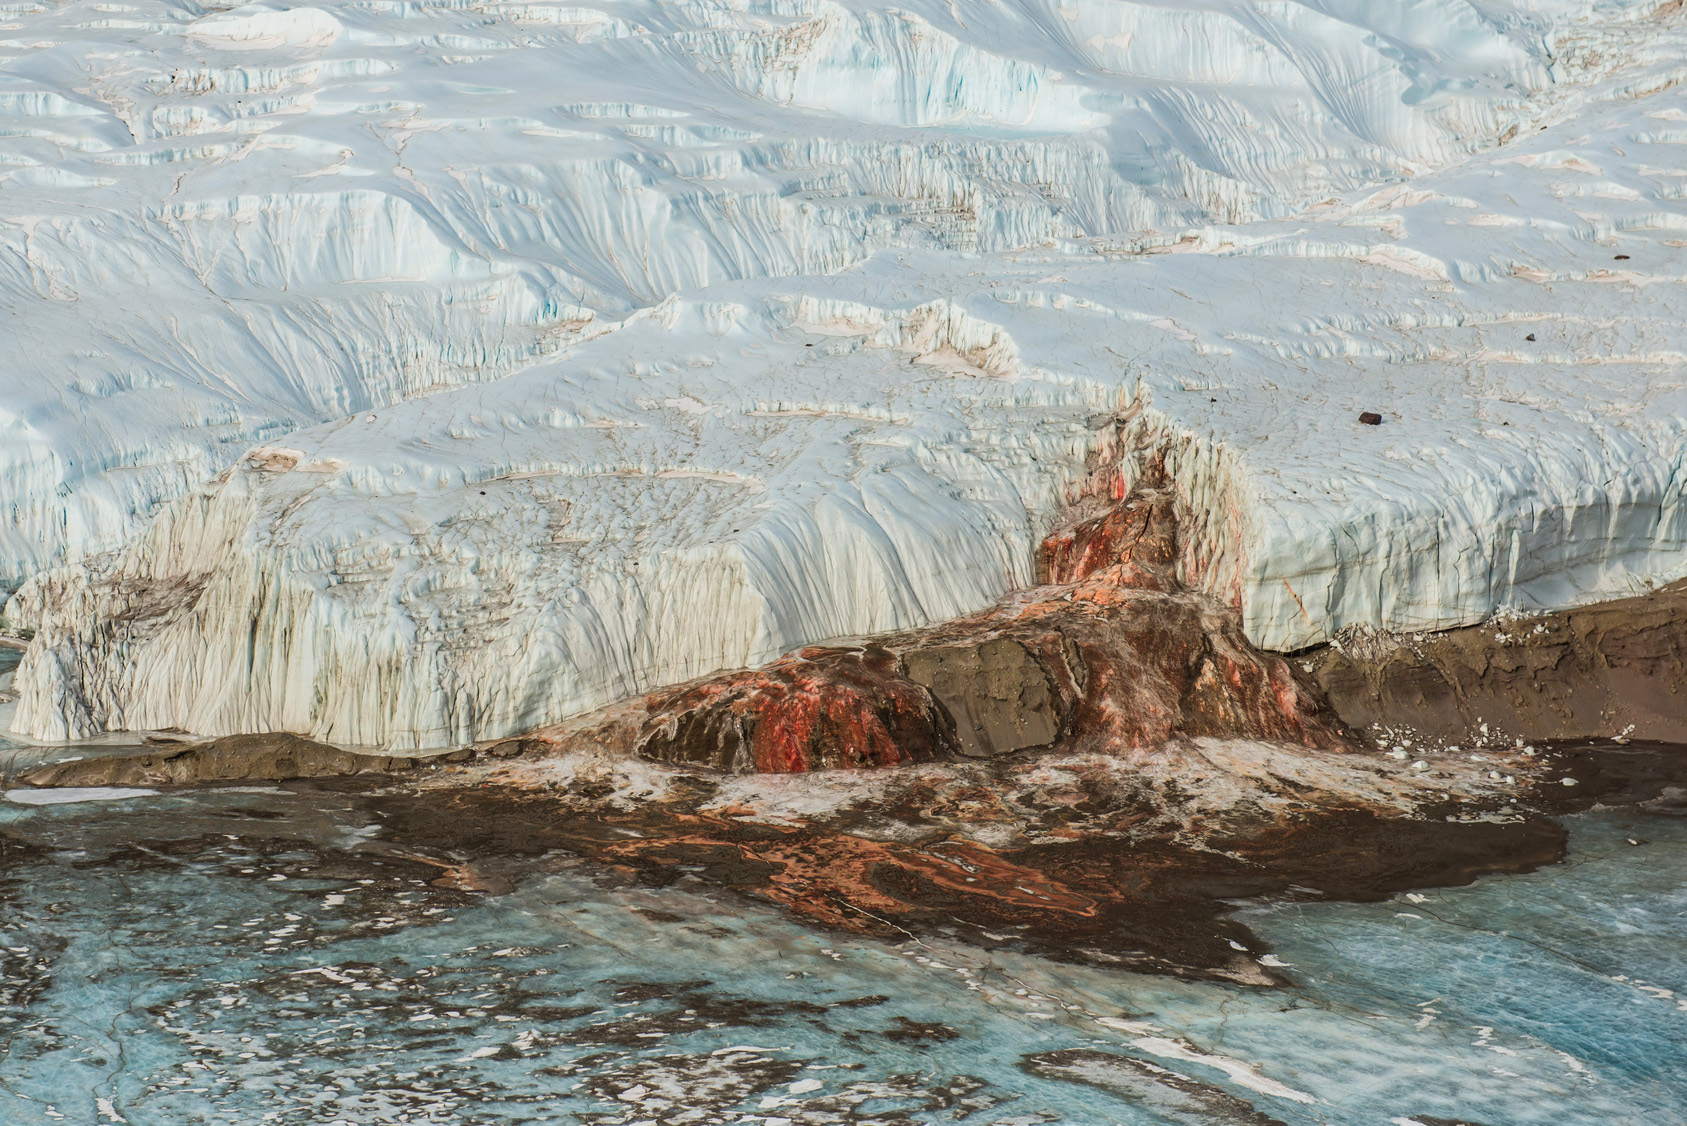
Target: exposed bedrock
point(273, 757)
point(1616, 669)
point(1111, 653)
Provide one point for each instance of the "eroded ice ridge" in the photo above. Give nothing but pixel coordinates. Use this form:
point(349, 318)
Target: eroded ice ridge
point(491, 558)
point(217, 226)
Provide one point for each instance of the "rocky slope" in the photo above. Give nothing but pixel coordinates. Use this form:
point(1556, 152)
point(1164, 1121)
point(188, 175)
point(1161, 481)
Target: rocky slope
point(1616, 669)
point(1111, 655)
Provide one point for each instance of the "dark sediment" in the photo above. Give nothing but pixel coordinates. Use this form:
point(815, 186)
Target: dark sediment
point(1103, 875)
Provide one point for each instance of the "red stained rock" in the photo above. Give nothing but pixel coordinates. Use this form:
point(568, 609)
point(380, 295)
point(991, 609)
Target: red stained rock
point(837, 707)
point(1137, 536)
point(1109, 655)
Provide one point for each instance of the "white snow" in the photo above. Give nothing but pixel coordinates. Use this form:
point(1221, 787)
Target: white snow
point(1241, 1073)
point(491, 362)
point(254, 27)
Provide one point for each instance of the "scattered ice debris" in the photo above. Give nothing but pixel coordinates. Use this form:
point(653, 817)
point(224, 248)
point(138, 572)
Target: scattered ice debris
point(1245, 1074)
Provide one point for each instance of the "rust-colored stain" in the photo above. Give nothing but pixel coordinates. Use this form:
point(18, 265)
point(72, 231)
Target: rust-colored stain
point(1131, 658)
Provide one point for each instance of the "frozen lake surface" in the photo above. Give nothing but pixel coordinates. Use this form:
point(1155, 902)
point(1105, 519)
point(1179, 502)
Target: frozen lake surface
point(257, 955)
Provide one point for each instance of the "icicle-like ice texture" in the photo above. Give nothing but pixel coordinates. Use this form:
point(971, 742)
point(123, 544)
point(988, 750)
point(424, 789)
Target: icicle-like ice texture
point(402, 374)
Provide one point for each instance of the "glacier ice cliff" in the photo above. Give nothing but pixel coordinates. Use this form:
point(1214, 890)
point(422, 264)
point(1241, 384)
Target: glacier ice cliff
point(401, 374)
point(224, 225)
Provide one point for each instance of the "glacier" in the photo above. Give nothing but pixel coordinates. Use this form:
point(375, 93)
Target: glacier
point(407, 374)
point(225, 225)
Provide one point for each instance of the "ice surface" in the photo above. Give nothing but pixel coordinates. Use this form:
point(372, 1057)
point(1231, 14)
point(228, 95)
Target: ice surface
point(342, 987)
point(318, 250)
point(69, 794)
point(222, 225)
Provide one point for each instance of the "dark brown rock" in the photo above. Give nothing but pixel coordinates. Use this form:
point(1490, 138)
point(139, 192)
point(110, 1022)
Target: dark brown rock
point(996, 692)
point(1370, 418)
point(1613, 669)
point(512, 748)
point(273, 757)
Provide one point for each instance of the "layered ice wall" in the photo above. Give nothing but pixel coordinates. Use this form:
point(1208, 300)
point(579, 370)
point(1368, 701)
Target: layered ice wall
point(217, 226)
point(840, 307)
point(699, 490)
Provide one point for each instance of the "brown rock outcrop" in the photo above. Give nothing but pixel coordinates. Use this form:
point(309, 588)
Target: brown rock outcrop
point(823, 707)
point(1110, 654)
point(1613, 669)
point(997, 693)
point(274, 757)
point(1134, 537)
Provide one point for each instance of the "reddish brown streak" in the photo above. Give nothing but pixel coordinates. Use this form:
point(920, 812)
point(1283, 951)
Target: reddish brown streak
point(1110, 653)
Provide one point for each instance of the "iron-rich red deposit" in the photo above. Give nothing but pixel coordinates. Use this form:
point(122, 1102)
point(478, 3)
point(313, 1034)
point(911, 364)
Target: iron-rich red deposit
point(1111, 653)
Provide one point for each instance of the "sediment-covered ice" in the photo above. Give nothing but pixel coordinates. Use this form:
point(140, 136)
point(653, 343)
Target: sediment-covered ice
point(832, 305)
